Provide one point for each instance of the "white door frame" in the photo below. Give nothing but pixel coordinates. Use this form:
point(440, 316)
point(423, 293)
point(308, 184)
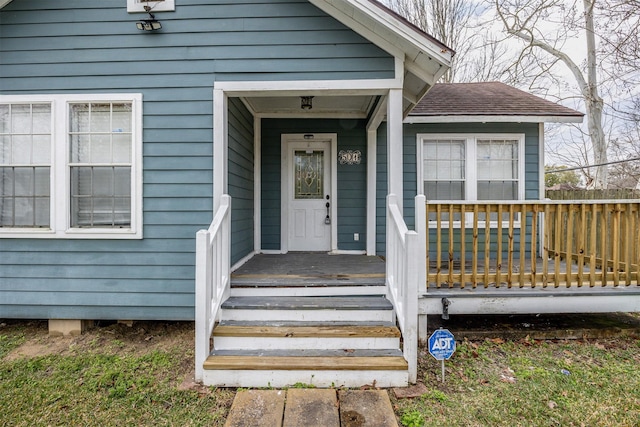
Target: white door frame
point(284, 185)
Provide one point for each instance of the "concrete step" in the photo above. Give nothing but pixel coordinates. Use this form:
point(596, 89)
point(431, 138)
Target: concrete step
point(320, 335)
point(316, 308)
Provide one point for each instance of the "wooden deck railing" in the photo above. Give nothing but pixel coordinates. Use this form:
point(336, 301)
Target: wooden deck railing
point(533, 243)
point(404, 275)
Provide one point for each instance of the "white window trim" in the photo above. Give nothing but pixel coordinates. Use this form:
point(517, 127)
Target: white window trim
point(60, 197)
point(471, 170)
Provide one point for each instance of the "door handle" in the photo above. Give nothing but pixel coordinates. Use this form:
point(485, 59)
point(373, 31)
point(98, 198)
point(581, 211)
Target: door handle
point(327, 219)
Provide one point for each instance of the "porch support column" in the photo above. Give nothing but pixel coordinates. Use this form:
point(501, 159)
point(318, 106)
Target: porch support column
point(220, 146)
point(372, 137)
point(394, 145)
point(372, 172)
point(257, 184)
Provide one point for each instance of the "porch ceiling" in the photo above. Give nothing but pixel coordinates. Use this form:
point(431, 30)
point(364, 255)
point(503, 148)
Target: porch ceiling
point(352, 106)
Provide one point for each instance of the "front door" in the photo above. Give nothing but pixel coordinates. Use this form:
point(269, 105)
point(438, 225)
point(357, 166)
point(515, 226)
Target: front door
point(307, 171)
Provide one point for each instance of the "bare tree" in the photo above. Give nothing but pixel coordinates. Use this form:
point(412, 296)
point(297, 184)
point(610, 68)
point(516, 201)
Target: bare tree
point(544, 48)
point(450, 21)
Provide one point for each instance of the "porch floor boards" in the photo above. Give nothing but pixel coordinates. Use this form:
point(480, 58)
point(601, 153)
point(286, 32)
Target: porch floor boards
point(308, 267)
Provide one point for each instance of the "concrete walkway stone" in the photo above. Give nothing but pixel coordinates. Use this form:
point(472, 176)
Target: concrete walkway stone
point(366, 408)
point(256, 408)
point(311, 407)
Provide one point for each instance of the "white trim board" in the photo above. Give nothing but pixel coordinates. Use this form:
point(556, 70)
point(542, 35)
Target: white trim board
point(491, 119)
point(309, 87)
point(576, 303)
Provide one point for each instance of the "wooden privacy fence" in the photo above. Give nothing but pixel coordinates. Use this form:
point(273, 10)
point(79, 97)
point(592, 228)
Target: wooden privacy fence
point(603, 194)
point(533, 243)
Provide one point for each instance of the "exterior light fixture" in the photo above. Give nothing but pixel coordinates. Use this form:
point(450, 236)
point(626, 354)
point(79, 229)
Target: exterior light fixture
point(149, 24)
point(306, 102)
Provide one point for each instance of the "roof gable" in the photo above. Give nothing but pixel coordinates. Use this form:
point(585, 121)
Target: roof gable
point(425, 59)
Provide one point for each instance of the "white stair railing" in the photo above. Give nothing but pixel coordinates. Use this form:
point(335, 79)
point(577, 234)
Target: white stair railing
point(406, 258)
point(213, 259)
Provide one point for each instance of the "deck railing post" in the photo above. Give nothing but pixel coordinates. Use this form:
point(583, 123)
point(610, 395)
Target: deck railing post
point(410, 333)
point(213, 248)
point(202, 301)
point(421, 259)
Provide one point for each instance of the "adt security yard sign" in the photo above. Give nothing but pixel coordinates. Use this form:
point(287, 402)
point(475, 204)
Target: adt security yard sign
point(442, 345)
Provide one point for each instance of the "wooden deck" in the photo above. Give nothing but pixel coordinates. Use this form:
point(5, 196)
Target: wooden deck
point(296, 265)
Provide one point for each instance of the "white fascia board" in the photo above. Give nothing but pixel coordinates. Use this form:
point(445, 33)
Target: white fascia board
point(492, 119)
point(311, 115)
point(3, 3)
point(346, 11)
point(309, 87)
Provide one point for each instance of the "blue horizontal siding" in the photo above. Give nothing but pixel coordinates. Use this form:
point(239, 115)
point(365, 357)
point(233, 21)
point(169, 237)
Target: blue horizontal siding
point(241, 179)
point(78, 46)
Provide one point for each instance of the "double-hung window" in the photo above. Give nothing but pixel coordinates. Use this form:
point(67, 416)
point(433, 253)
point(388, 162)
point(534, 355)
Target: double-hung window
point(25, 165)
point(71, 166)
point(471, 167)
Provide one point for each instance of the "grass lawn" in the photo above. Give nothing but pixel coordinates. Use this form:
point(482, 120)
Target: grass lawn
point(110, 376)
point(141, 375)
point(530, 383)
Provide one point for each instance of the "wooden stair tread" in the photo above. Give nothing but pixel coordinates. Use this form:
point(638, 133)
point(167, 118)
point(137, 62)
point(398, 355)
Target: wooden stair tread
point(311, 363)
point(305, 323)
point(311, 353)
point(308, 303)
point(306, 331)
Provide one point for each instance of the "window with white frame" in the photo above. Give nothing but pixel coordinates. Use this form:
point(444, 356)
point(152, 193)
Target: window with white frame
point(25, 165)
point(444, 169)
point(71, 166)
point(471, 167)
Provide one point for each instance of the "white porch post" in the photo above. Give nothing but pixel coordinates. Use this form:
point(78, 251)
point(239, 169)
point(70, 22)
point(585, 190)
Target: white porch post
point(372, 172)
point(220, 146)
point(257, 179)
point(394, 145)
point(372, 136)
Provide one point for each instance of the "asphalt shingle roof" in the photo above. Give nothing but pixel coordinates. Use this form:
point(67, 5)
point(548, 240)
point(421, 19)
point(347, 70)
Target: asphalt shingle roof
point(486, 99)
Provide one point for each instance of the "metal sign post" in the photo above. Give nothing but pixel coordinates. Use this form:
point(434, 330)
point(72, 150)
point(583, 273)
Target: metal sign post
point(442, 345)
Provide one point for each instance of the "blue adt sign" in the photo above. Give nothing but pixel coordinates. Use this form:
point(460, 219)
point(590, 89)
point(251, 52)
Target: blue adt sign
point(442, 345)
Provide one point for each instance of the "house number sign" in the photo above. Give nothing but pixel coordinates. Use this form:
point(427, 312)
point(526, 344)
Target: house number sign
point(349, 157)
